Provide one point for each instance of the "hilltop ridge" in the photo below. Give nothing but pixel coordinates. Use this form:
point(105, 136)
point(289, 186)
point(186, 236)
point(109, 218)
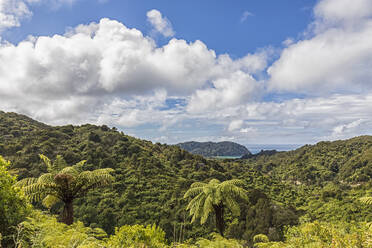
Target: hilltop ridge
point(213, 149)
point(314, 181)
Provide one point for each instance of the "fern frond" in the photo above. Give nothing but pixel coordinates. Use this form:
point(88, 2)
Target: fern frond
point(366, 200)
point(260, 238)
point(196, 209)
point(50, 200)
point(26, 182)
point(79, 166)
point(232, 205)
point(236, 182)
point(70, 170)
point(59, 163)
point(214, 182)
point(193, 192)
point(46, 178)
point(197, 185)
point(205, 196)
point(193, 201)
point(47, 162)
point(207, 209)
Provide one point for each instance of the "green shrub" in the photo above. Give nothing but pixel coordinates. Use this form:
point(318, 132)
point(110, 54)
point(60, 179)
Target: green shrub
point(43, 231)
point(13, 205)
point(137, 236)
point(316, 234)
point(218, 242)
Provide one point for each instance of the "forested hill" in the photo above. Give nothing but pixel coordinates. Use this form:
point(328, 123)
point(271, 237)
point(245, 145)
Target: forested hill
point(150, 179)
point(212, 149)
point(342, 161)
point(320, 182)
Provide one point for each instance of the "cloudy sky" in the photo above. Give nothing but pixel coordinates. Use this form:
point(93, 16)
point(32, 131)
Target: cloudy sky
point(254, 72)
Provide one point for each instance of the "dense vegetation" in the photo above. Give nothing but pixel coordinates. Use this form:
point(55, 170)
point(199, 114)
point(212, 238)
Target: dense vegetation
point(13, 204)
point(214, 149)
point(322, 183)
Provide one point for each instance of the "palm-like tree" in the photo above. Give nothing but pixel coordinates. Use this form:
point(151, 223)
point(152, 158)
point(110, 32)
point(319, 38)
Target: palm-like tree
point(63, 184)
point(215, 196)
point(366, 200)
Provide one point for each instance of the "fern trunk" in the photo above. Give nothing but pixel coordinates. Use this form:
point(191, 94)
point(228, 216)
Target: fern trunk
point(68, 213)
point(220, 222)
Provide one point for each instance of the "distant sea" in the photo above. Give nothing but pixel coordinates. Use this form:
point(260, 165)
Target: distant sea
point(256, 148)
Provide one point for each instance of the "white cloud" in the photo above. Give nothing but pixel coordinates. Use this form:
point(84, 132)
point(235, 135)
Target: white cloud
point(103, 58)
point(12, 12)
point(235, 125)
point(106, 71)
point(248, 130)
point(160, 24)
point(231, 91)
point(344, 129)
point(338, 56)
point(343, 11)
point(245, 15)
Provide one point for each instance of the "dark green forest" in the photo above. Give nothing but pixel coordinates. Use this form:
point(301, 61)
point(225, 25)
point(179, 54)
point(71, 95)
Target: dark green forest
point(214, 149)
point(316, 187)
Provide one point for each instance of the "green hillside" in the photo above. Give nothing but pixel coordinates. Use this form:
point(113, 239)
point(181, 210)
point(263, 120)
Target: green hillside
point(321, 182)
point(344, 161)
point(214, 149)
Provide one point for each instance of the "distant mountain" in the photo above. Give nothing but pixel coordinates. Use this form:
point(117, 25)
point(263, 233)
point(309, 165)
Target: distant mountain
point(211, 149)
point(261, 153)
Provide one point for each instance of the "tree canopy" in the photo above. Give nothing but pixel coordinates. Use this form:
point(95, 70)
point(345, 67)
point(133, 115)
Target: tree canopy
point(215, 196)
point(64, 184)
point(321, 182)
point(13, 204)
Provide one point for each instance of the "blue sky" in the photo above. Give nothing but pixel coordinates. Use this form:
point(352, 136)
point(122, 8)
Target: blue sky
point(217, 23)
point(254, 72)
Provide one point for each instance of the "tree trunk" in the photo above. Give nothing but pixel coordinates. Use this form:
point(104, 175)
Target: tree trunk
point(220, 223)
point(68, 213)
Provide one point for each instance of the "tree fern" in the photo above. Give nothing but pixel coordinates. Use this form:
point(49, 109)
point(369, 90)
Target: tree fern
point(64, 183)
point(215, 196)
point(366, 200)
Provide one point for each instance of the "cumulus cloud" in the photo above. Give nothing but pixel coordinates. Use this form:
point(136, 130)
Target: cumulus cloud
point(107, 73)
point(106, 65)
point(297, 120)
point(12, 12)
point(342, 11)
point(226, 92)
point(235, 125)
point(338, 56)
point(160, 24)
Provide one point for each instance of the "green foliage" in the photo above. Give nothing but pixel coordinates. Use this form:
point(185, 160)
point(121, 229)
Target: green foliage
point(366, 200)
point(64, 184)
point(218, 242)
point(206, 196)
point(13, 204)
point(212, 149)
point(313, 235)
point(345, 161)
point(215, 196)
point(137, 236)
point(260, 238)
point(43, 231)
point(321, 182)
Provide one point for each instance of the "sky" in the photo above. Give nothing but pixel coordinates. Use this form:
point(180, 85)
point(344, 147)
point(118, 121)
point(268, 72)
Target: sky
point(252, 72)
